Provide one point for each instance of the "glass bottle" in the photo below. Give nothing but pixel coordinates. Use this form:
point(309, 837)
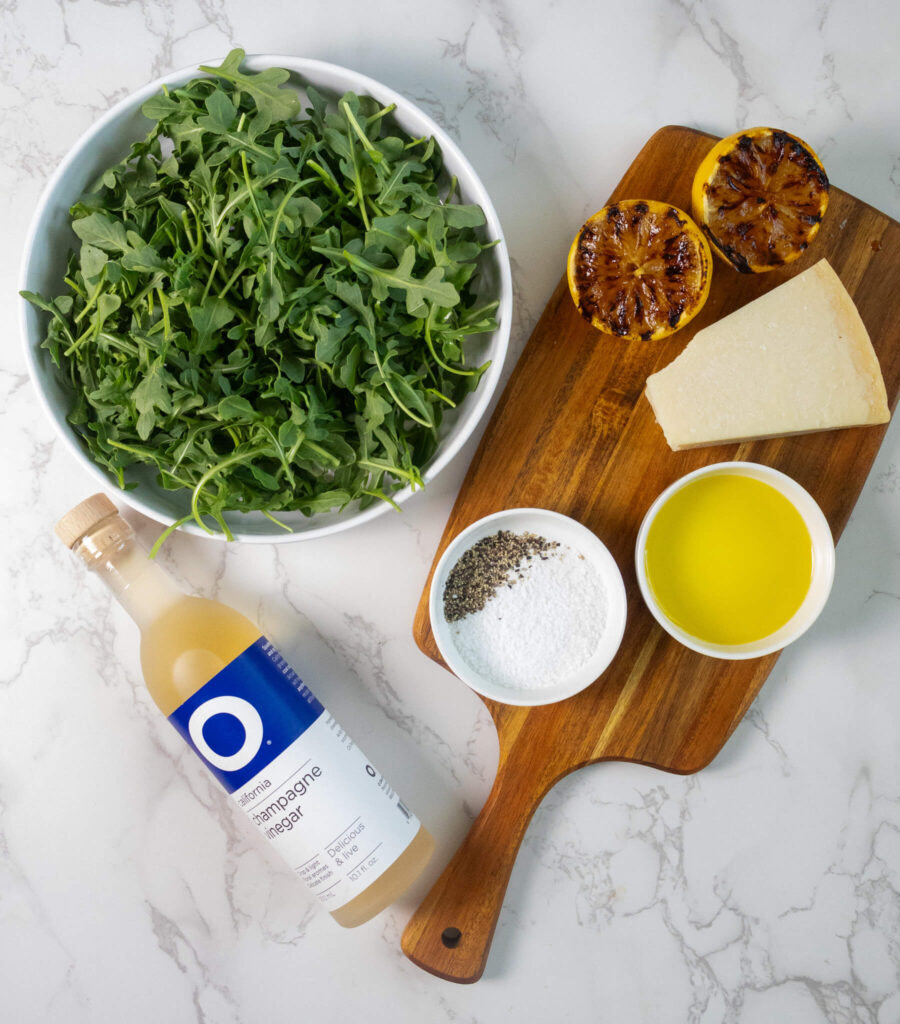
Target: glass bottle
point(285, 760)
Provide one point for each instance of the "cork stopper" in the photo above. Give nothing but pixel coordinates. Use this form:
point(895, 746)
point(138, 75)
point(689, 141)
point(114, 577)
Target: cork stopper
point(84, 519)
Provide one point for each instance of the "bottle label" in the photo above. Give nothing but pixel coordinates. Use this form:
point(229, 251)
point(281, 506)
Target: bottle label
point(296, 774)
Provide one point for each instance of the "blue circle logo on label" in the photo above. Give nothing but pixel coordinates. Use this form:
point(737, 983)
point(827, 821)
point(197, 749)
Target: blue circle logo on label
point(248, 717)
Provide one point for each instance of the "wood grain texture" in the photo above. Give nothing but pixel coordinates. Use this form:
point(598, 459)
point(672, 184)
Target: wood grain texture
point(574, 433)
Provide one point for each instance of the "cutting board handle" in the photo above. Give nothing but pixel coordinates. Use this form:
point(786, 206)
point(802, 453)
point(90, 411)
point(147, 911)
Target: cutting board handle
point(450, 934)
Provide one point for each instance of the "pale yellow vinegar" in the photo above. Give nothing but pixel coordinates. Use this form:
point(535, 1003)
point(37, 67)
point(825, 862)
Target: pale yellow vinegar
point(185, 642)
point(182, 648)
point(729, 559)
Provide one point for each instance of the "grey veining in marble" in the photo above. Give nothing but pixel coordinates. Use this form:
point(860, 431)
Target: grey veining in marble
point(764, 889)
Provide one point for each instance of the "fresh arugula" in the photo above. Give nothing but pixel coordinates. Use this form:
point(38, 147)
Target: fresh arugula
point(270, 310)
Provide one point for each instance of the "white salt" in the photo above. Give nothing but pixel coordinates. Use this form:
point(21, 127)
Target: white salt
point(540, 628)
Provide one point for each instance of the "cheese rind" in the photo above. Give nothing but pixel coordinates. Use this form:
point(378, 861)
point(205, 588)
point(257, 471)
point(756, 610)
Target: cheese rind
point(795, 360)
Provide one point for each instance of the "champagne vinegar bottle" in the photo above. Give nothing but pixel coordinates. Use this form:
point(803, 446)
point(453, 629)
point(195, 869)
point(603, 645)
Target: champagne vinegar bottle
point(283, 758)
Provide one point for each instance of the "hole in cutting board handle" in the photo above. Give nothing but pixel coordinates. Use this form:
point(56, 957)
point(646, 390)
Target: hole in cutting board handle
point(450, 937)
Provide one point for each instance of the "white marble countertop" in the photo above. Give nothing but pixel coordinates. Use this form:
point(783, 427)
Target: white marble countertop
point(766, 888)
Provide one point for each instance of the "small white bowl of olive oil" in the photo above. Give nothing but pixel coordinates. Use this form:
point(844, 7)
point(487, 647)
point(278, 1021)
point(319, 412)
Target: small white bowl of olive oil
point(735, 560)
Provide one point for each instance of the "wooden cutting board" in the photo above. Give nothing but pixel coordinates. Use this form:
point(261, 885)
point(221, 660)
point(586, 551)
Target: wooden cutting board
point(574, 433)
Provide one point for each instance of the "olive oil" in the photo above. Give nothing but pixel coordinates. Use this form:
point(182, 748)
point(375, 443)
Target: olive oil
point(729, 559)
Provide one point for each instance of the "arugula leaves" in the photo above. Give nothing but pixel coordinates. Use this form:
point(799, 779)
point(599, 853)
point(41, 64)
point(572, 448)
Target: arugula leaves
point(270, 310)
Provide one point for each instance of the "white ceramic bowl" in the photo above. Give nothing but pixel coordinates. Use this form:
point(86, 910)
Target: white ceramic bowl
point(556, 527)
point(50, 237)
point(822, 572)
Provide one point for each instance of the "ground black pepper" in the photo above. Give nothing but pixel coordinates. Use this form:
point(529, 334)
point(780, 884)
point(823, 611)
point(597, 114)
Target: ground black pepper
point(491, 563)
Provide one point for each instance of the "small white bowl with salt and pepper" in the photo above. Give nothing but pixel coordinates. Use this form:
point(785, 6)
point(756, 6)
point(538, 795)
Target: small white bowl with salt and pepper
point(527, 606)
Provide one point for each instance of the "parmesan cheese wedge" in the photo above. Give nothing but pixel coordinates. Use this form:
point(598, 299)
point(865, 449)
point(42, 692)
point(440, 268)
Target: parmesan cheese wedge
point(795, 360)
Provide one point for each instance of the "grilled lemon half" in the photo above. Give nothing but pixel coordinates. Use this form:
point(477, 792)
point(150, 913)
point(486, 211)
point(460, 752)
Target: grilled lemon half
point(760, 196)
point(639, 269)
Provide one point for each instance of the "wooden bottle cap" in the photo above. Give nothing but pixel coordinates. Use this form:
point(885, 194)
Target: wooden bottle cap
point(83, 518)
